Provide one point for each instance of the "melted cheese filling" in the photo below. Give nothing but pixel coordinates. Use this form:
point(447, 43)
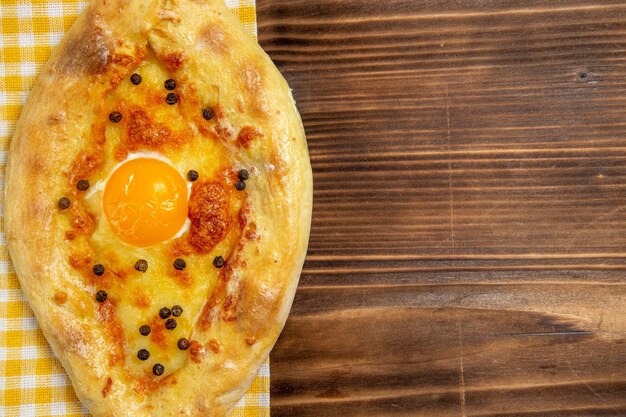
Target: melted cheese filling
point(138, 296)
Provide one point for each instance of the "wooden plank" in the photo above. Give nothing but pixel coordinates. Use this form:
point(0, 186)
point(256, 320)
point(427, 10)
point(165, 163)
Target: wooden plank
point(468, 247)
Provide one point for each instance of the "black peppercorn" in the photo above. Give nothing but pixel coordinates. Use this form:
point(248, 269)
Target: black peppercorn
point(115, 116)
point(170, 84)
point(183, 343)
point(240, 185)
point(158, 369)
point(141, 265)
point(165, 312)
point(82, 185)
point(170, 324)
point(64, 203)
point(192, 175)
point(208, 113)
point(101, 296)
point(243, 174)
point(144, 330)
point(143, 354)
point(98, 269)
point(180, 264)
point(135, 79)
point(177, 310)
point(171, 98)
point(218, 262)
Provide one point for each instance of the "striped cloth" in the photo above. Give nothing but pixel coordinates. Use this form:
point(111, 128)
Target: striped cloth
point(32, 381)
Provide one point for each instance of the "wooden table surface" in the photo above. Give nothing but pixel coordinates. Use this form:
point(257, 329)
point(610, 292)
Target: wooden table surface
point(468, 246)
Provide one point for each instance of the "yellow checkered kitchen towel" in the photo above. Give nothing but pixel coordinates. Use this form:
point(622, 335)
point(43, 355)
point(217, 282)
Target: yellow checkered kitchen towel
point(32, 381)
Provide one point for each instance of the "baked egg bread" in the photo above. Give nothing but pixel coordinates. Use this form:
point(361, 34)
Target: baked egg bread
point(158, 205)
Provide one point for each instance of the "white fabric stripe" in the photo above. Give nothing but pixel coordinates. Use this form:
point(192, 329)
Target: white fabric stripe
point(11, 295)
point(264, 370)
point(24, 10)
point(28, 69)
point(26, 40)
point(58, 409)
point(27, 410)
point(15, 68)
point(55, 38)
point(54, 9)
point(28, 381)
point(29, 323)
point(15, 353)
point(34, 381)
point(32, 39)
point(58, 380)
point(13, 97)
point(25, 323)
point(5, 127)
point(42, 409)
point(29, 352)
point(263, 400)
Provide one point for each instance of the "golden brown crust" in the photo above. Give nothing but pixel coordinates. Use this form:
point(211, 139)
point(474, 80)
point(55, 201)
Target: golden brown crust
point(62, 137)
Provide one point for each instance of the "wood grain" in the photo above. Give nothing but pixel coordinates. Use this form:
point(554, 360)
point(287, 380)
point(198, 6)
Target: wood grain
point(468, 247)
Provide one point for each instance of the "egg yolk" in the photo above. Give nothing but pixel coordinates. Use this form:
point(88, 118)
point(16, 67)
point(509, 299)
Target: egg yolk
point(145, 202)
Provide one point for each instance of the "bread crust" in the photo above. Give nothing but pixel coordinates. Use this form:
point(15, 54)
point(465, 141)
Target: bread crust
point(203, 45)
